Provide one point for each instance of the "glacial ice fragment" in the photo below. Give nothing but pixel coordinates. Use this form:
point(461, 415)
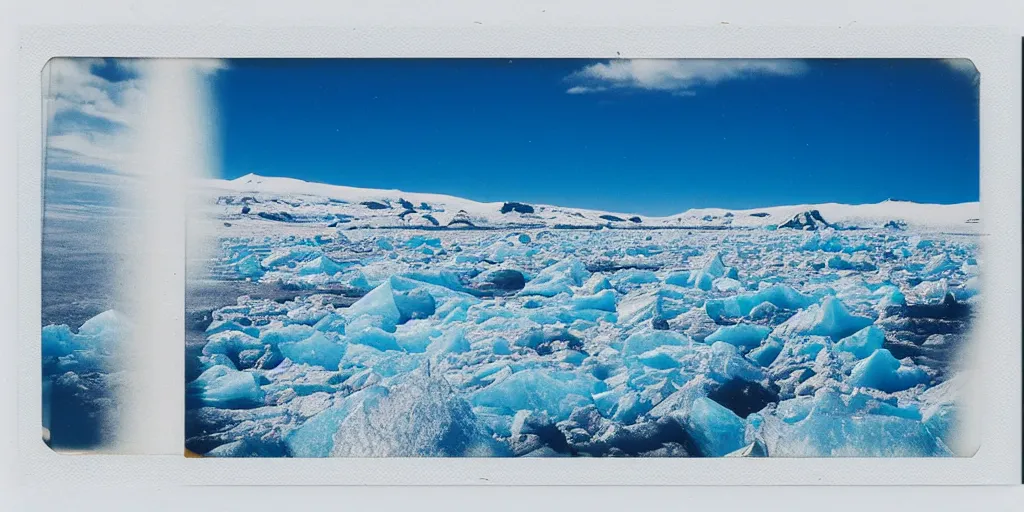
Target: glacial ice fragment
point(536, 390)
point(421, 416)
point(781, 296)
point(316, 350)
point(863, 342)
point(741, 335)
point(830, 318)
point(321, 265)
point(603, 301)
point(717, 431)
point(645, 341)
point(884, 372)
point(225, 387)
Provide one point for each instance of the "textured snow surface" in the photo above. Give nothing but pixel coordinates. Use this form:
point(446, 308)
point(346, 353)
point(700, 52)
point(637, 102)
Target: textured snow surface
point(290, 200)
point(574, 342)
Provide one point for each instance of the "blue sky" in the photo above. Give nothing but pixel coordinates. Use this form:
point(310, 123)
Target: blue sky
point(651, 137)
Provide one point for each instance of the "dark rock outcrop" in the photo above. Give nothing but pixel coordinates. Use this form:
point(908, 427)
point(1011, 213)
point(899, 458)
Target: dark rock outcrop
point(278, 216)
point(808, 221)
point(374, 205)
point(461, 219)
point(507, 280)
point(516, 207)
point(743, 397)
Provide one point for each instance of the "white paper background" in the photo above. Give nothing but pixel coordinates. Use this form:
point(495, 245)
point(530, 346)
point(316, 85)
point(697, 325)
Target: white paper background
point(841, 33)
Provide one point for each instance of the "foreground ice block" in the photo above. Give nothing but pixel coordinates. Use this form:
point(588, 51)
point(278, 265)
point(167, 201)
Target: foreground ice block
point(717, 431)
point(419, 417)
point(830, 318)
point(557, 278)
point(221, 386)
point(648, 340)
point(555, 393)
point(829, 425)
point(315, 438)
point(603, 301)
point(884, 372)
point(316, 350)
point(93, 348)
point(781, 296)
point(740, 335)
point(322, 265)
point(863, 342)
point(378, 304)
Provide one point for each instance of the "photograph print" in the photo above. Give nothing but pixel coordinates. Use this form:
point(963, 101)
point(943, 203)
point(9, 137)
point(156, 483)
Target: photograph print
point(550, 257)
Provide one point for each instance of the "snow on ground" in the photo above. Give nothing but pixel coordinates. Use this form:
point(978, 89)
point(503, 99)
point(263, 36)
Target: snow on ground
point(526, 340)
point(299, 201)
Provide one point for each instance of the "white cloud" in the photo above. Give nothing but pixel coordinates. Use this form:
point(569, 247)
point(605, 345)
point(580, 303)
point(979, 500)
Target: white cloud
point(678, 76)
point(108, 151)
point(92, 121)
point(71, 86)
point(94, 179)
point(579, 89)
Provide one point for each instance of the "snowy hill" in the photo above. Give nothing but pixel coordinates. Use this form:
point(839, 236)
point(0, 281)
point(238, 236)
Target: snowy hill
point(291, 200)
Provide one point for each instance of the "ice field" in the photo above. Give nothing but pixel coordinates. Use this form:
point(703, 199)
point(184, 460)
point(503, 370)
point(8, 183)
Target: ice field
point(329, 325)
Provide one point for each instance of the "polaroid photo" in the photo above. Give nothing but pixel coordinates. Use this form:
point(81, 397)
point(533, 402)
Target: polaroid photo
point(516, 256)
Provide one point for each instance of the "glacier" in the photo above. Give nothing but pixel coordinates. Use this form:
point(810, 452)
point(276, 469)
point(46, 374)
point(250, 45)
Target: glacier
point(351, 327)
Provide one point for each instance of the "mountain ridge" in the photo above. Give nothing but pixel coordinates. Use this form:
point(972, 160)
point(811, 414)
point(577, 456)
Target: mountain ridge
point(352, 205)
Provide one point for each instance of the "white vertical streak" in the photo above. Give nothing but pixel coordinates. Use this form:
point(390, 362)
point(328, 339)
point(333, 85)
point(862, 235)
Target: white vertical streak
point(170, 151)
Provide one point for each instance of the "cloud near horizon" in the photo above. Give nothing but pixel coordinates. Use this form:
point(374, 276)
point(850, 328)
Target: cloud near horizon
point(680, 77)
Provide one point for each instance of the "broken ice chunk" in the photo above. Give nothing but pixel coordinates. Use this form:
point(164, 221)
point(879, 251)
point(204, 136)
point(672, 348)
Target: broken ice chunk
point(884, 372)
point(765, 354)
point(648, 340)
point(931, 292)
point(830, 318)
point(536, 390)
point(249, 266)
point(419, 416)
point(717, 431)
point(227, 388)
point(322, 265)
point(376, 338)
point(603, 301)
point(741, 335)
point(863, 342)
point(230, 325)
point(316, 350)
point(379, 303)
point(452, 342)
point(781, 296)
point(557, 278)
point(315, 438)
point(829, 425)
point(230, 343)
point(596, 283)
point(938, 265)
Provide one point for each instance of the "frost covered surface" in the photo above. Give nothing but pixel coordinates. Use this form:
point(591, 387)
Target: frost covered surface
point(296, 201)
point(582, 342)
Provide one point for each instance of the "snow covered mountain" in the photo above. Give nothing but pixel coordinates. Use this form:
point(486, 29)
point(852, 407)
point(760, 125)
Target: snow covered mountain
point(290, 200)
